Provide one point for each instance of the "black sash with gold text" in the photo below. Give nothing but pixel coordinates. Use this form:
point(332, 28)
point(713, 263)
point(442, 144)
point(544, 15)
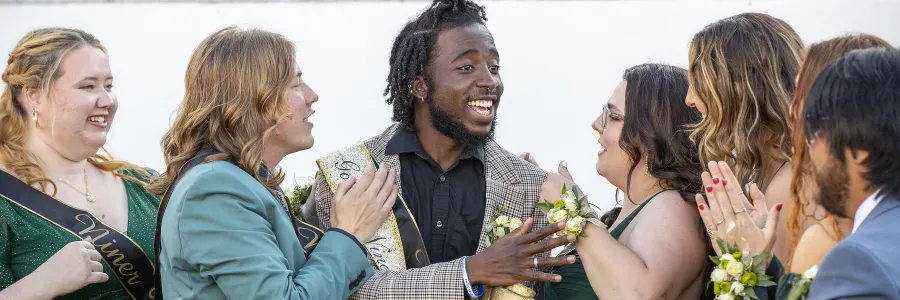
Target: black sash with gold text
point(307, 234)
point(130, 264)
point(416, 255)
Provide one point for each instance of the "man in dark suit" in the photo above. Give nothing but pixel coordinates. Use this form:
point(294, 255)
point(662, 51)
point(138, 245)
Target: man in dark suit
point(852, 125)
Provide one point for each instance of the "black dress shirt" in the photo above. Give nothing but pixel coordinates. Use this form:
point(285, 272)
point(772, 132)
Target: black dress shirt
point(448, 205)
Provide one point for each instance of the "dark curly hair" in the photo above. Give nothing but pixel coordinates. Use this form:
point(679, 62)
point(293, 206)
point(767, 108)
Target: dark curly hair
point(657, 122)
point(414, 46)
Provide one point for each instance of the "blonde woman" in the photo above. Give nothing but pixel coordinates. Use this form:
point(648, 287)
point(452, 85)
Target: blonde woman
point(742, 70)
point(74, 223)
point(224, 228)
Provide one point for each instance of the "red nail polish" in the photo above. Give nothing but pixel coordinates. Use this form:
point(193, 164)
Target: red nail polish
point(724, 181)
point(778, 207)
point(709, 189)
point(715, 181)
point(700, 206)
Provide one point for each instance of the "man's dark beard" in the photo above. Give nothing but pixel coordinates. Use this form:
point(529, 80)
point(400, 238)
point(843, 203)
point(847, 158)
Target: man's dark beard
point(834, 188)
point(446, 124)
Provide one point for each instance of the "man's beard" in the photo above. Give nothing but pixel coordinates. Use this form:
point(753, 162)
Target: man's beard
point(834, 188)
point(446, 124)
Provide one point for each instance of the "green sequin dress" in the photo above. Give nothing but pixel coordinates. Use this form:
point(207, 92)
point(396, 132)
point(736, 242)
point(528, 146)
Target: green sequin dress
point(575, 283)
point(27, 240)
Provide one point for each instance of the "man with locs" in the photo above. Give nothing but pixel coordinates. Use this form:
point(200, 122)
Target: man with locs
point(445, 88)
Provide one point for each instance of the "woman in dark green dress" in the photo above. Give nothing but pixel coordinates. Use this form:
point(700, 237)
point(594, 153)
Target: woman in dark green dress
point(74, 224)
point(657, 247)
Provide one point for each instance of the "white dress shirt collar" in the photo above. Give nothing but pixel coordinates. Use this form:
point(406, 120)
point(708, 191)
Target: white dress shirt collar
point(865, 209)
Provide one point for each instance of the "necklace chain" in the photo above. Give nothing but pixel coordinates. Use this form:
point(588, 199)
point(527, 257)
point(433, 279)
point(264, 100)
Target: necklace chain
point(87, 191)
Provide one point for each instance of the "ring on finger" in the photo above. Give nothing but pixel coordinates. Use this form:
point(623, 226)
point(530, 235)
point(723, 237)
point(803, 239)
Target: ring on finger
point(743, 209)
point(536, 262)
point(710, 232)
point(720, 221)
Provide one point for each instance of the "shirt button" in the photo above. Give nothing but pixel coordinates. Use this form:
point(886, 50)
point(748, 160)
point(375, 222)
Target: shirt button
point(442, 178)
point(439, 224)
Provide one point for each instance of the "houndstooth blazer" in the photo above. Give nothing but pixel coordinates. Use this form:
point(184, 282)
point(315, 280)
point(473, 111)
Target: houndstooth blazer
point(511, 181)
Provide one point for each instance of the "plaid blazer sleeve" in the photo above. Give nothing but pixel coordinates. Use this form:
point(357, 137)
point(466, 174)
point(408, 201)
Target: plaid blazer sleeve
point(436, 281)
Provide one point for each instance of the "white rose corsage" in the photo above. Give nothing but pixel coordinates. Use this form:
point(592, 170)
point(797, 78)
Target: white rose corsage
point(736, 274)
point(501, 226)
point(569, 210)
point(800, 288)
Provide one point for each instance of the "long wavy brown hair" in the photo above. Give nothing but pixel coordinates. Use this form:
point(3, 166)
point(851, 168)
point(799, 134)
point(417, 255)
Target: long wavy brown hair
point(34, 64)
point(816, 58)
point(742, 68)
point(235, 92)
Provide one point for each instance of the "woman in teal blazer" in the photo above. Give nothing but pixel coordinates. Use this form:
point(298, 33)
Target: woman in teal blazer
point(224, 229)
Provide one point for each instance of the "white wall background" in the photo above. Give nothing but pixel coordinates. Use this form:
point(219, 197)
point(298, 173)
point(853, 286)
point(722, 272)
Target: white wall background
point(561, 60)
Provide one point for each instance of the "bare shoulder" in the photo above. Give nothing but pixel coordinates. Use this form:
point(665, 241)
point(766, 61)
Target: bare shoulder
point(814, 244)
point(668, 216)
point(671, 209)
point(671, 225)
point(779, 190)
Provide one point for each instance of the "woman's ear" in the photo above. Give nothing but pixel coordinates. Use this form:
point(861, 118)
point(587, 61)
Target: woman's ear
point(31, 97)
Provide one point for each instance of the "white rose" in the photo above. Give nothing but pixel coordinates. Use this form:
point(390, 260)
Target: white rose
point(569, 198)
point(728, 257)
point(718, 275)
point(811, 273)
point(501, 221)
point(737, 288)
point(571, 205)
point(560, 215)
point(499, 232)
point(725, 296)
point(514, 223)
point(735, 268)
point(550, 214)
point(576, 224)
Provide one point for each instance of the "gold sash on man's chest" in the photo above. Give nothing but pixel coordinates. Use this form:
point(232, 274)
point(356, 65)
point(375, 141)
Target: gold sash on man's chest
point(386, 247)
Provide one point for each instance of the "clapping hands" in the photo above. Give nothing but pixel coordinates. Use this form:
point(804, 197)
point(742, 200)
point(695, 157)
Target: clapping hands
point(729, 216)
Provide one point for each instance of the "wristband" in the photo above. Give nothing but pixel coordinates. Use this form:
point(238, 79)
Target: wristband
point(469, 288)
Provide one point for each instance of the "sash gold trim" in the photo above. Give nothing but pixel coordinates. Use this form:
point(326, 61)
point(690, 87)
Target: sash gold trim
point(118, 259)
point(387, 245)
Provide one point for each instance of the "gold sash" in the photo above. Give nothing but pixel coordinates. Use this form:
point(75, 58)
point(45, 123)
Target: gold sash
point(387, 246)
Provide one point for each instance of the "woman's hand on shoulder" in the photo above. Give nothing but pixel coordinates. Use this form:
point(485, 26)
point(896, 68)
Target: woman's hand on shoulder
point(362, 205)
point(71, 268)
point(529, 158)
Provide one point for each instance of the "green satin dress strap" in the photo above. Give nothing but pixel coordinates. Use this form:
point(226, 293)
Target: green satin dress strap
point(575, 283)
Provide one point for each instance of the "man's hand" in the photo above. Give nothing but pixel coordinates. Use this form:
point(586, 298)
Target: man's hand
point(510, 259)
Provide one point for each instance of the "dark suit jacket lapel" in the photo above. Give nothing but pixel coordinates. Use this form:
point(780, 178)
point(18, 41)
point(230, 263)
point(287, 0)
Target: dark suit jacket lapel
point(500, 188)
